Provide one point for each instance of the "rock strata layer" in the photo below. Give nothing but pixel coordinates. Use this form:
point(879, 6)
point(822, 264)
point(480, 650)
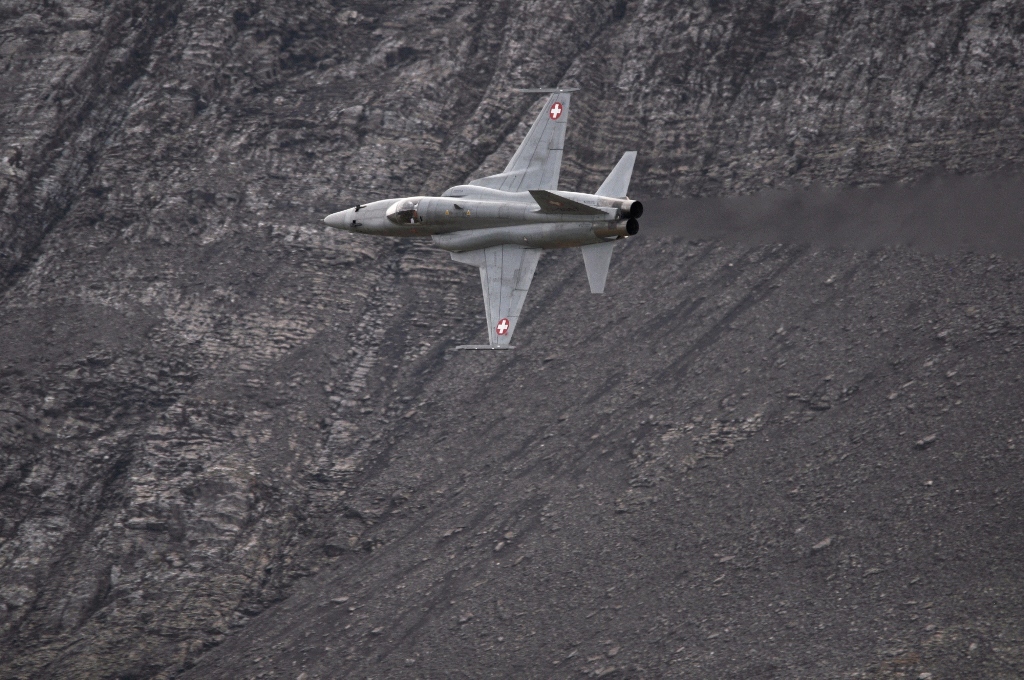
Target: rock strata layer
point(206, 397)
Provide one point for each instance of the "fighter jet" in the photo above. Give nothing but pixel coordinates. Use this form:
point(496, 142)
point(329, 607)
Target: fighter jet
point(502, 223)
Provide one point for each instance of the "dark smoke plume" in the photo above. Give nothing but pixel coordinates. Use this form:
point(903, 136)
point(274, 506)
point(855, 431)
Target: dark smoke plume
point(943, 214)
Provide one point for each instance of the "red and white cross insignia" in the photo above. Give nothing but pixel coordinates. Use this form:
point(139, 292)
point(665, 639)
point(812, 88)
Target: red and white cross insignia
point(502, 327)
point(556, 111)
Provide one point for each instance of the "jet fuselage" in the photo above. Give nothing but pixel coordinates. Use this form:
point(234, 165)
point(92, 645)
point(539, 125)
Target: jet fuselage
point(505, 217)
point(502, 223)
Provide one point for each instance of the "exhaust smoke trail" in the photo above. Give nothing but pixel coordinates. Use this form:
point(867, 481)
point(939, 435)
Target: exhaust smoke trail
point(941, 214)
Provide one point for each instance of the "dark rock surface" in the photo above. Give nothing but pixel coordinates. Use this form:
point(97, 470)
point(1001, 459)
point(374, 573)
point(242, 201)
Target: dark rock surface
point(744, 461)
point(767, 462)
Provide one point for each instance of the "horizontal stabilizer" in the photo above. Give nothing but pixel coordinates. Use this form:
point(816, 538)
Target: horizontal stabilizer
point(597, 257)
point(553, 203)
point(616, 185)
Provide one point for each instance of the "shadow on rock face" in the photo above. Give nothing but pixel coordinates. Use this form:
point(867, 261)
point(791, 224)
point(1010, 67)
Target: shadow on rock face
point(943, 214)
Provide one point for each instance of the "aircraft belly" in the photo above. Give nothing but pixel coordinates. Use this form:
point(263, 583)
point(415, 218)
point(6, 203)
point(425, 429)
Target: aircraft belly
point(550, 235)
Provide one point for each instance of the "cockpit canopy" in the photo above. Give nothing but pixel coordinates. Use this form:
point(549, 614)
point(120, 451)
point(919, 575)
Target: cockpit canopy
point(405, 211)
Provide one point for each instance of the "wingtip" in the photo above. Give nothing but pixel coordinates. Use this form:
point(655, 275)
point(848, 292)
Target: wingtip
point(544, 90)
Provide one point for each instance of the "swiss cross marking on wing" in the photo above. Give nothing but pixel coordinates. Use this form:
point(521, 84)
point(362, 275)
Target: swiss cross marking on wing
point(556, 111)
point(502, 327)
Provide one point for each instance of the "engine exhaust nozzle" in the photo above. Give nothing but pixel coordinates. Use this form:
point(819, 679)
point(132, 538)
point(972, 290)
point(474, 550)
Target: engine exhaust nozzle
point(620, 229)
point(633, 209)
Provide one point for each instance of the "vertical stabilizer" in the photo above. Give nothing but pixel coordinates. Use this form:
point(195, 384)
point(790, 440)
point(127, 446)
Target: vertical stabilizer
point(617, 183)
point(597, 257)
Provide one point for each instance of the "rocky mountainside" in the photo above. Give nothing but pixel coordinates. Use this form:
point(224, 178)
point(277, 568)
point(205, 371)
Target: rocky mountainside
point(745, 460)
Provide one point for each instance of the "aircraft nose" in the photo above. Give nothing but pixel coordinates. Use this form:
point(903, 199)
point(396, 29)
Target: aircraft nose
point(336, 219)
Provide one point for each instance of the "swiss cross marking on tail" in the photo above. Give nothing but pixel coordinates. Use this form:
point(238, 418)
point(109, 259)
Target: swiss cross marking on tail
point(556, 111)
point(502, 327)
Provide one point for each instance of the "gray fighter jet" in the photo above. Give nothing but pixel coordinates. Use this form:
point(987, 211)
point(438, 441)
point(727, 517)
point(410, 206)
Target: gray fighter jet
point(502, 223)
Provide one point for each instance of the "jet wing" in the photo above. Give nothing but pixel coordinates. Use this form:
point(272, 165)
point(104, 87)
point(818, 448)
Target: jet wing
point(538, 161)
point(553, 203)
point(505, 273)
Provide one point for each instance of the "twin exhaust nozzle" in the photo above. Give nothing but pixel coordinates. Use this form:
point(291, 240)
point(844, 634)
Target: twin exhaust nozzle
point(618, 229)
point(631, 211)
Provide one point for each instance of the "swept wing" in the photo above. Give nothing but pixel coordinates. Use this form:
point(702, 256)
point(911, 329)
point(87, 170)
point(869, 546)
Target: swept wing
point(538, 161)
point(506, 272)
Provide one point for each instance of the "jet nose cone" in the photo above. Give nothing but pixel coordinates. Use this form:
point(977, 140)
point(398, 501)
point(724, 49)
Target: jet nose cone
point(336, 219)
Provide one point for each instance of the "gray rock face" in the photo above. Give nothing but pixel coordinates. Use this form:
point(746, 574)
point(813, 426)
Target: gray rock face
point(205, 396)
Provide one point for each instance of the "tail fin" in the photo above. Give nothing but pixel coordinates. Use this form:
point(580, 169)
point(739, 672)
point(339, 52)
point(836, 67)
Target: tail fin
point(597, 257)
point(617, 183)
